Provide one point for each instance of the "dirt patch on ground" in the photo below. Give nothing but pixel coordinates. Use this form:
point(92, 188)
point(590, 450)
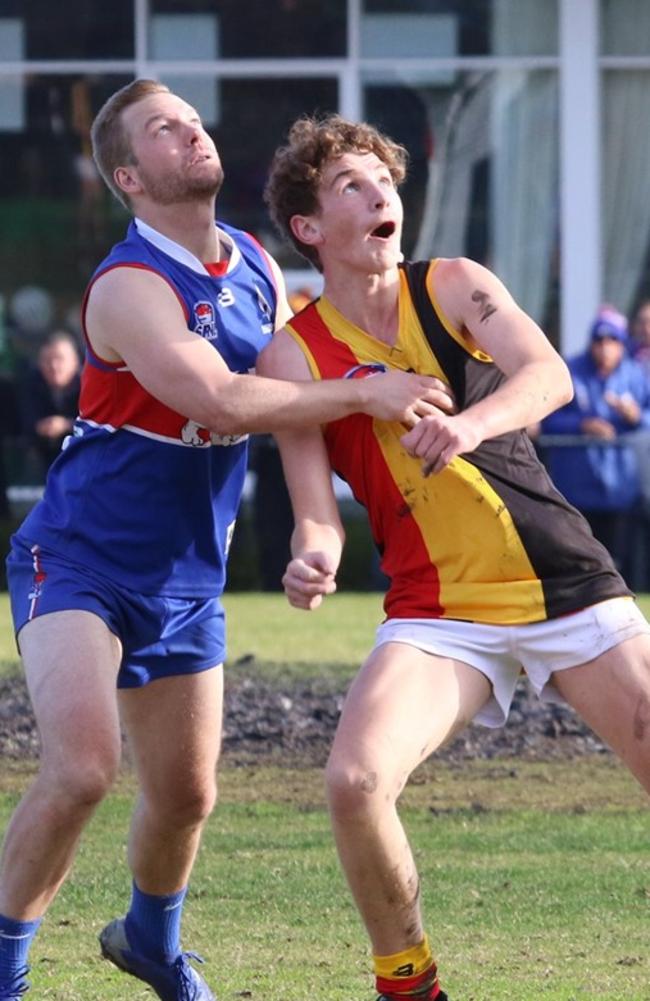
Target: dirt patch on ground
point(292, 723)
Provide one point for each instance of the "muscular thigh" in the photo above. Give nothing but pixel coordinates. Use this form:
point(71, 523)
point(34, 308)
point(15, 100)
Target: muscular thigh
point(71, 661)
point(612, 694)
point(403, 704)
point(174, 729)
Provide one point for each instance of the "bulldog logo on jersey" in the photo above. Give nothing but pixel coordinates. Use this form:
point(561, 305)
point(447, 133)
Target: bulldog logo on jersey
point(363, 370)
point(195, 435)
point(205, 321)
point(198, 436)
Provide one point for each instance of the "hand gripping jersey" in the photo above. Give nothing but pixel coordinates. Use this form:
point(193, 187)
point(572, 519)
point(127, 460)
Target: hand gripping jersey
point(489, 539)
point(141, 494)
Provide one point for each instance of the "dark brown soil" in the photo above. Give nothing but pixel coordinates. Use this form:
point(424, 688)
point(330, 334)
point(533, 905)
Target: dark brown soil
point(292, 723)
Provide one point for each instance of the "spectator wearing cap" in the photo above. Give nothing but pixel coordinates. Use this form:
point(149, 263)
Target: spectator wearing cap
point(610, 407)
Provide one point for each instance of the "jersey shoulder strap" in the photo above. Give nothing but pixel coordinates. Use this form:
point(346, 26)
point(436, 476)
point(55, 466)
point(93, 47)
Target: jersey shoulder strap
point(450, 355)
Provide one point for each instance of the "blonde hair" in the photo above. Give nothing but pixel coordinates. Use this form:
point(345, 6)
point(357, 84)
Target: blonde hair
point(110, 142)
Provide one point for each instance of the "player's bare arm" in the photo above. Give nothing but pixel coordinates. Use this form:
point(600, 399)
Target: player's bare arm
point(134, 316)
point(537, 379)
point(318, 536)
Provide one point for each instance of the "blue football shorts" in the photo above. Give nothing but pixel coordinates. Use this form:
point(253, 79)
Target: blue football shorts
point(539, 648)
point(160, 636)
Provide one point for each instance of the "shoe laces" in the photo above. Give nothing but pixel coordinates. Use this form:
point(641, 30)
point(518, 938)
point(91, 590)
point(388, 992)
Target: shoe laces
point(15, 986)
point(187, 986)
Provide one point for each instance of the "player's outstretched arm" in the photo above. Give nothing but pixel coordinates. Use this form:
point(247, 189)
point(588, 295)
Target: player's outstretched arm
point(134, 316)
point(318, 536)
point(537, 379)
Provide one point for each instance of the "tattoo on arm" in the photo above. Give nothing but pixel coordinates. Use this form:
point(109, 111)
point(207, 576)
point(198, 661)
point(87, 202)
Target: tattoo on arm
point(486, 308)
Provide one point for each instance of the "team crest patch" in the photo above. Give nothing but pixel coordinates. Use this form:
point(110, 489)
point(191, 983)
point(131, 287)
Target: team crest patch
point(205, 321)
point(265, 309)
point(365, 369)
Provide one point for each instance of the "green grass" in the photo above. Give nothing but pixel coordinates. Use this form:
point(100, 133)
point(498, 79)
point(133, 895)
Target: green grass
point(535, 877)
point(536, 883)
point(8, 655)
point(265, 627)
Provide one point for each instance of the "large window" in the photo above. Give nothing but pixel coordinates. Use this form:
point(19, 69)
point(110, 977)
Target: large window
point(468, 86)
point(73, 29)
point(625, 27)
point(57, 215)
point(625, 142)
point(272, 29)
point(483, 178)
point(446, 28)
point(626, 187)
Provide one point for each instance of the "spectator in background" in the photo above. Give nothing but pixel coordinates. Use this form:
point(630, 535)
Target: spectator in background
point(640, 334)
point(602, 477)
point(50, 396)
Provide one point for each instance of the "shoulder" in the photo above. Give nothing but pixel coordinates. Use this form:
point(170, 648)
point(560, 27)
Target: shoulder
point(453, 279)
point(283, 359)
point(459, 271)
point(464, 289)
point(132, 248)
point(128, 277)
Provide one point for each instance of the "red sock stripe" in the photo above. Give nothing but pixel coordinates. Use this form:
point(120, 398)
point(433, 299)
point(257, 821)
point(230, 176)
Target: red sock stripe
point(411, 985)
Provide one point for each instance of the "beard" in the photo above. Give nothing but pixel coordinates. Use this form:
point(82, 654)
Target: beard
point(183, 188)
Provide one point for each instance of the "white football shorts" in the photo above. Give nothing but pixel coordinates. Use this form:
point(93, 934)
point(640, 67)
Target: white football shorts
point(540, 648)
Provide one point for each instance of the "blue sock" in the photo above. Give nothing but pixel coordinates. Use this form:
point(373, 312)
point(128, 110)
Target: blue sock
point(153, 924)
point(15, 941)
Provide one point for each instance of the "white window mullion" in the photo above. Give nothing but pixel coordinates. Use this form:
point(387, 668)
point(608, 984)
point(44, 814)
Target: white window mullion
point(140, 31)
point(350, 103)
point(579, 170)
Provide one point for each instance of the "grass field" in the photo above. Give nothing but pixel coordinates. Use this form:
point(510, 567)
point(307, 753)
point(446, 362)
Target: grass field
point(536, 876)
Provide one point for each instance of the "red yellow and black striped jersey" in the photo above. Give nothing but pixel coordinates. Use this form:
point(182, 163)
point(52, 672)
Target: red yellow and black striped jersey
point(489, 539)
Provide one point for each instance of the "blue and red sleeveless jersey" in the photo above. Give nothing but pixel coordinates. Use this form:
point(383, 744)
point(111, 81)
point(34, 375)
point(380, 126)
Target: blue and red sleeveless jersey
point(141, 494)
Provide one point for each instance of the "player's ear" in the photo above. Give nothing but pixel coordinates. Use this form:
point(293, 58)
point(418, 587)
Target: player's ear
point(126, 178)
point(306, 229)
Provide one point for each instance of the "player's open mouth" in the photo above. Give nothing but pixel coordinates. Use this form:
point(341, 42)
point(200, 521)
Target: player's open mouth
point(384, 232)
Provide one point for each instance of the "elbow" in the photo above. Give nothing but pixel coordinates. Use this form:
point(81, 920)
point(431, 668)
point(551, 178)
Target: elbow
point(228, 422)
point(566, 388)
point(560, 385)
point(226, 415)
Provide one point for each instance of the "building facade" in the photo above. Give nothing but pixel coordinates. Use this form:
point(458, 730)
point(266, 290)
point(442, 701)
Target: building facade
point(526, 122)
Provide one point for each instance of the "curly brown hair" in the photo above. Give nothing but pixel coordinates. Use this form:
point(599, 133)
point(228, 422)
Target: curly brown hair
point(297, 167)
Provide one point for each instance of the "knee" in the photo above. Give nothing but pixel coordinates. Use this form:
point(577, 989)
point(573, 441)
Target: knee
point(354, 791)
point(188, 804)
point(80, 786)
